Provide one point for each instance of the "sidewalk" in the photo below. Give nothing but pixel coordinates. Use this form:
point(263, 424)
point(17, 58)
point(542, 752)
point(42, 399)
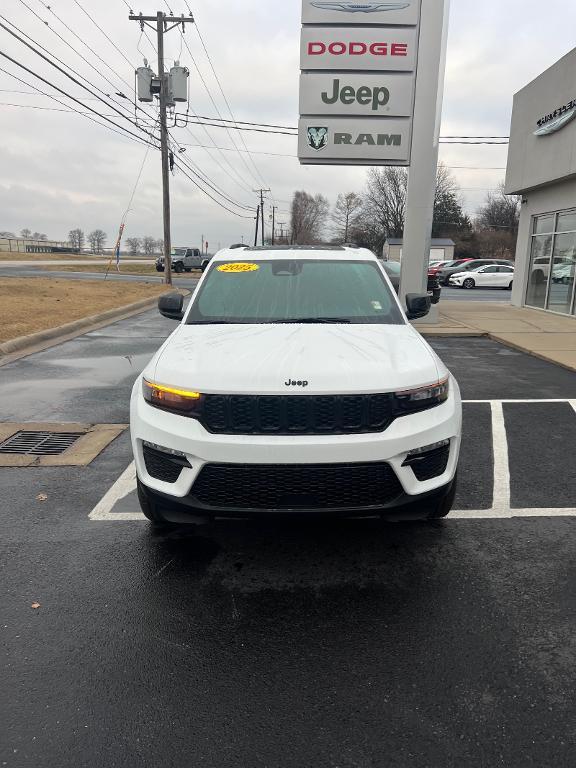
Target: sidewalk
point(544, 335)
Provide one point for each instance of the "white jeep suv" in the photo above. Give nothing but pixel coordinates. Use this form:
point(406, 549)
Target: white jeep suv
point(294, 384)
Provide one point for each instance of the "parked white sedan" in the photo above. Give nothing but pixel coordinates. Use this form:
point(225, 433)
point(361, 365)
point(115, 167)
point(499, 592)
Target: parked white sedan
point(492, 276)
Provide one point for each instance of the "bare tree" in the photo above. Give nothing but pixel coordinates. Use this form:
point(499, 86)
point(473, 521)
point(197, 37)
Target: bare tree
point(308, 217)
point(159, 248)
point(149, 245)
point(135, 244)
point(500, 211)
point(345, 213)
point(39, 236)
point(7, 234)
point(97, 238)
point(26, 233)
point(77, 239)
point(383, 206)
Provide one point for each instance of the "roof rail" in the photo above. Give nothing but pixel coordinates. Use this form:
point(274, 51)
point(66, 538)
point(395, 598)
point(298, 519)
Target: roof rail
point(237, 245)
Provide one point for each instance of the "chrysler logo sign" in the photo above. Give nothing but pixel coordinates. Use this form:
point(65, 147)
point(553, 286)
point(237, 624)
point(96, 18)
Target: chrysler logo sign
point(556, 120)
point(360, 7)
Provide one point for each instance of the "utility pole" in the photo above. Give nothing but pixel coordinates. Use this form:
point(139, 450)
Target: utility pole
point(274, 207)
point(257, 223)
point(261, 192)
point(162, 89)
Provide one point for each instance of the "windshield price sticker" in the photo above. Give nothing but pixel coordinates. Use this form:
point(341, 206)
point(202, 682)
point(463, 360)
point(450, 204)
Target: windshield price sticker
point(238, 267)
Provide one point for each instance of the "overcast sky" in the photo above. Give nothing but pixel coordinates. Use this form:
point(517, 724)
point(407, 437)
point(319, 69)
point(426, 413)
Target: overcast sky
point(59, 171)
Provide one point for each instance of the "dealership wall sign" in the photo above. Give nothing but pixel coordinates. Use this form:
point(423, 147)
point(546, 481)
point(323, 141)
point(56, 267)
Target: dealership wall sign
point(357, 85)
point(556, 120)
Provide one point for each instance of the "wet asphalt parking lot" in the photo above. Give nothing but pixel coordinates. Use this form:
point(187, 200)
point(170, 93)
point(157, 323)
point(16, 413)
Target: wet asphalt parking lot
point(338, 644)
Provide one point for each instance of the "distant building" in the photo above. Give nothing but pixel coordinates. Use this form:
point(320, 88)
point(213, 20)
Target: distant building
point(542, 168)
point(28, 245)
point(441, 249)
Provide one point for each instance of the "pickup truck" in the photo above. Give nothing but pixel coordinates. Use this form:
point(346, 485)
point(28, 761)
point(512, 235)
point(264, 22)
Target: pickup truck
point(183, 260)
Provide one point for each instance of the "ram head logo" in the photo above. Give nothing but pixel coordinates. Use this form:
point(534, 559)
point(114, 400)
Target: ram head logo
point(317, 138)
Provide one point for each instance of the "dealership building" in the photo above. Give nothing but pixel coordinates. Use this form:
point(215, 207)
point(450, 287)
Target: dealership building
point(542, 169)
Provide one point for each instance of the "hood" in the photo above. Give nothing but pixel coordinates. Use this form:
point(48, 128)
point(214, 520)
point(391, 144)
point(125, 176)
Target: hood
point(262, 358)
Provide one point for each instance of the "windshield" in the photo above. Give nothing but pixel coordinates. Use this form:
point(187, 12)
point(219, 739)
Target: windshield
point(178, 252)
point(303, 290)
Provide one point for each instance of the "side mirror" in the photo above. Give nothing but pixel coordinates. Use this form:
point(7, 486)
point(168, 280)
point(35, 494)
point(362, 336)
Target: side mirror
point(204, 264)
point(170, 305)
point(417, 305)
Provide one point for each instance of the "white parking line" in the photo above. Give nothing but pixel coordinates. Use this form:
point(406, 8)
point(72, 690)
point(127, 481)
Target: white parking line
point(501, 509)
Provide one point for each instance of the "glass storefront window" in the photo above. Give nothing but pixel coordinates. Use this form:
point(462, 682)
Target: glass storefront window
point(539, 271)
point(543, 224)
point(563, 266)
point(566, 222)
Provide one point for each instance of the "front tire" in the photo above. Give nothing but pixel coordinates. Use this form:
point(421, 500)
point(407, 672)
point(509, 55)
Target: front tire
point(441, 508)
point(149, 507)
point(469, 283)
point(178, 268)
point(510, 286)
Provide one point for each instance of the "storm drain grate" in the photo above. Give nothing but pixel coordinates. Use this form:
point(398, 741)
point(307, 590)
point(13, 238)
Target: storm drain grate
point(39, 443)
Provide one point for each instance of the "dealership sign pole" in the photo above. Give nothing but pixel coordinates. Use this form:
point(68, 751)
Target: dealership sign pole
point(371, 94)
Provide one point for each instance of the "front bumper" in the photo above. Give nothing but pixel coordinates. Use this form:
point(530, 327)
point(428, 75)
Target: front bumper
point(201, 448)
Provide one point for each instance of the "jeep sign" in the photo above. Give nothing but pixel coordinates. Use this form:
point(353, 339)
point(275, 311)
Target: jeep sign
point(358, 48)
point(389, 94)
point(403, 12)
point(341, 141)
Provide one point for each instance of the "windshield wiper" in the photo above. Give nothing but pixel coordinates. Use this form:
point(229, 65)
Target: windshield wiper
point(314, 320)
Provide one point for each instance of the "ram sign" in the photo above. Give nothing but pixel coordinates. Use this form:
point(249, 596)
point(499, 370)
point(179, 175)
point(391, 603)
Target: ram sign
point(341, 141)
point(357, 81)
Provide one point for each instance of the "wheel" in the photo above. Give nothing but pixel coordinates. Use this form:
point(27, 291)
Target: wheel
point(510, 286)
point(149, 508)
point(442, 506)
point(469, 283)
point(178, 267)
point(159, 269)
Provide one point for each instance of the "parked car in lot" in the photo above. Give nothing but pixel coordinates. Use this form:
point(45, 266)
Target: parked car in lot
point(183, 260)
point(563, 273)
point(393, 269)
point(468, 265)
point(434, 269)
point(493, 276)
point(295, 385)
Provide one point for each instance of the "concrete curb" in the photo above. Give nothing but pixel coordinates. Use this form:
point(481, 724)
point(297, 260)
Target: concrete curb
point(29, 343)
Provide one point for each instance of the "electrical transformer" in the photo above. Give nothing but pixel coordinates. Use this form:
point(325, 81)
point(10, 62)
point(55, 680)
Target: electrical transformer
point(144, 77)
point(179, 82)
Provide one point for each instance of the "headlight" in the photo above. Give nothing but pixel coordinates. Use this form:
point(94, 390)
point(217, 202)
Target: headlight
point(412, 400)
point(182, 401)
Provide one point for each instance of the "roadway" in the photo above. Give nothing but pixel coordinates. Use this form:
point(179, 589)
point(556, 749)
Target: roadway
point(448, 294)
point(335, 644)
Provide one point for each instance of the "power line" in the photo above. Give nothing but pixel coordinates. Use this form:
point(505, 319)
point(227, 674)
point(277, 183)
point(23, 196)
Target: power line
point(112, 43)
point(67, 95)
point(216, 106)
point(197, 171)
point(83, 114)
point(64, 64)
point(234, 213)
point(226, 100)
point(69, 76)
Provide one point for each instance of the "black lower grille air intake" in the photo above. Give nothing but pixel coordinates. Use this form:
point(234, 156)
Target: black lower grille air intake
point(163, 466)
point(430, 464)
point(296, 486)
